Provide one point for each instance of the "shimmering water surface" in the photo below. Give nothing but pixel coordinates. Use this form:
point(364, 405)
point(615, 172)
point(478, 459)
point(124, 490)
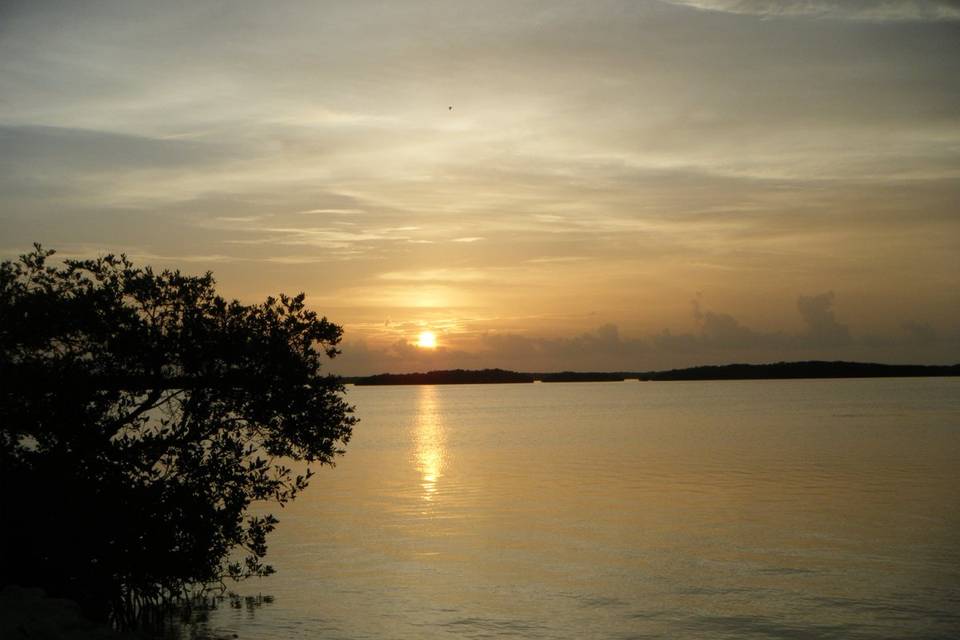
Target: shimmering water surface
point(755, 509)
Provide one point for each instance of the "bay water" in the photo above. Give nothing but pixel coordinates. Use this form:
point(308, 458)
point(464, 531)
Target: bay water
point(742, 509)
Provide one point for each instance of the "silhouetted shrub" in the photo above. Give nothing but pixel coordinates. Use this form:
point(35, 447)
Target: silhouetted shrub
point(140, 416)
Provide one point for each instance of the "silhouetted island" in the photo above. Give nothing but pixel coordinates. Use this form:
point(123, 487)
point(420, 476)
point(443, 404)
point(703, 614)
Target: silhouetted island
point(772, 371)
point(454, 376)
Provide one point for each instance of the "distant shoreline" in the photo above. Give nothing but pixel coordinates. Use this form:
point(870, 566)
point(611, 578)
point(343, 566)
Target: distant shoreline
point(815, 369)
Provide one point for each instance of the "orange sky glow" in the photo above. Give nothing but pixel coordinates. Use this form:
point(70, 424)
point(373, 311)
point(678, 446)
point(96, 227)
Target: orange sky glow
point(617, 186)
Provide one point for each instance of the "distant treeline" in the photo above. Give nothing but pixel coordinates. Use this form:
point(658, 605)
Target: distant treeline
point(810, 369)
point(774, 371)
point(455, 376)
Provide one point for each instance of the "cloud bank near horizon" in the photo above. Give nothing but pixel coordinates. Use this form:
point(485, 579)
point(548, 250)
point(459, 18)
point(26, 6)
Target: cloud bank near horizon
point(601, 161)
point(719, 338)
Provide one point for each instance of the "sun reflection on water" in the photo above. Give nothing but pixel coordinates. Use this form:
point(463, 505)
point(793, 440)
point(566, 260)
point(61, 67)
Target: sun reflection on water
point(430, 439)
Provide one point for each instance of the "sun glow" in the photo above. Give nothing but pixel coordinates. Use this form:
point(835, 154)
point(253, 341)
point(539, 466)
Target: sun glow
point(427, 340)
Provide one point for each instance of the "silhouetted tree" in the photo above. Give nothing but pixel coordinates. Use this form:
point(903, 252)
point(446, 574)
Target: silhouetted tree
point(140, 416)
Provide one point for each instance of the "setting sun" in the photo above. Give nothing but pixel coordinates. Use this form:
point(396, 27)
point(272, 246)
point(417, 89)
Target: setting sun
point(427, 340)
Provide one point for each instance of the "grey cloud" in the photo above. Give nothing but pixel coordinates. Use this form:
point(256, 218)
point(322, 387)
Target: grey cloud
point(724, 331)
point(777, 108)
point(822, 327)
point(920, 332)
point(590, 350)
point(602, 348)
point(878, 10)
point(62, 158)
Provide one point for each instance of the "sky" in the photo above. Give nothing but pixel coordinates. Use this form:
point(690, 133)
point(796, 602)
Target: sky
point(543, 185)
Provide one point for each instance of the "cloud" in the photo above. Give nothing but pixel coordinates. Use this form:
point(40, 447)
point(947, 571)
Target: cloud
point(718, 339)
point(872, 10)
point(44, 164)
point(920, 332)
point(71, 149)
point(439, 276)
point(721, 330)
point(601, 150)
point(401, 356)
point(822, 327)
point(345, 212)
point(602, 348)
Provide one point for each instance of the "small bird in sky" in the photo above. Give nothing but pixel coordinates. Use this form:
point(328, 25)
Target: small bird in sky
point(450, 108)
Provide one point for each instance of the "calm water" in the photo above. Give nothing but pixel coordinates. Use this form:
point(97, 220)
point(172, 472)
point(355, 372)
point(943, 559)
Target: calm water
point(762, 509)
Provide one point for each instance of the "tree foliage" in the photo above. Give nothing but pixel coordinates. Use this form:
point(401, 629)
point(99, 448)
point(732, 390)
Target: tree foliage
point(141, 415)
